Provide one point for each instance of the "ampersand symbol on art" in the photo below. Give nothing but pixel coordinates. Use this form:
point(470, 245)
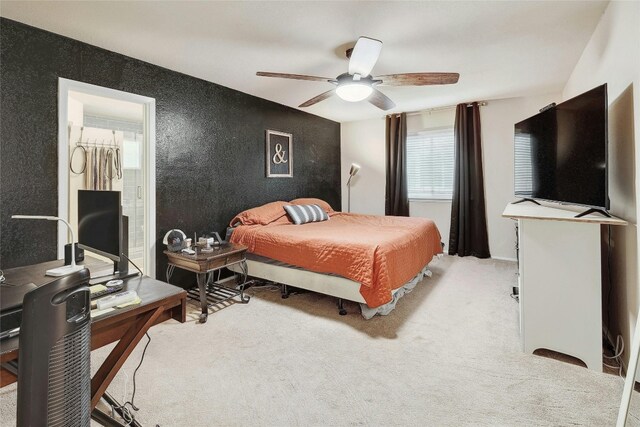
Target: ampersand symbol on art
point(279, 156)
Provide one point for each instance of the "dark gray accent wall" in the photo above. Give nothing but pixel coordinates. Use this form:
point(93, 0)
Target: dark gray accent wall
point(210, 155)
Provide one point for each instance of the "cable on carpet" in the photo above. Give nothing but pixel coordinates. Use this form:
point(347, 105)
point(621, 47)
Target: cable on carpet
point(264, 285)
point(619, 349)
point(126, 412)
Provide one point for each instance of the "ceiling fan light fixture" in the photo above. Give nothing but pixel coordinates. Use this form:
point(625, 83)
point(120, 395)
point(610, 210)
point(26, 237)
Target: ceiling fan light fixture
point(358, 84)
point(354, 92)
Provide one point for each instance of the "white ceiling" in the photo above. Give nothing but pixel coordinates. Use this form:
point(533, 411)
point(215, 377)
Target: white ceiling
point(500, 49)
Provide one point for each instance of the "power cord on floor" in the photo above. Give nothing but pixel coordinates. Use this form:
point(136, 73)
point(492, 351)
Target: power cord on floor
point(617, 354)
point(264, 285)
point(126, 412)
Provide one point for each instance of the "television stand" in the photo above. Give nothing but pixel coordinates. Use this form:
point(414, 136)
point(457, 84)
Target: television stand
point(526, 200)
point(594, 210)
point(559, 281)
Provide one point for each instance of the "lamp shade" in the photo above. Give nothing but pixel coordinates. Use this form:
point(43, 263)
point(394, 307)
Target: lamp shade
point(354, 169)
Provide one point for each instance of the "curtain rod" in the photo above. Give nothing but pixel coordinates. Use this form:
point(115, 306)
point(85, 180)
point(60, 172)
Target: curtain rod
point(448, 107)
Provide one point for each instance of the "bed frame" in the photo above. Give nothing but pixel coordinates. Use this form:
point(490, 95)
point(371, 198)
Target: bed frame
point(286, 275)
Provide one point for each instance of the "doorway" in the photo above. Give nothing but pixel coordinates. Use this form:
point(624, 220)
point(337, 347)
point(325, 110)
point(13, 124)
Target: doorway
point(95, 121)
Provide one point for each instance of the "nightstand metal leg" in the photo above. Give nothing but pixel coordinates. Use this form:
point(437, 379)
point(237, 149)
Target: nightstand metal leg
point(169, 273)
point(245, 274)
point(202, 287)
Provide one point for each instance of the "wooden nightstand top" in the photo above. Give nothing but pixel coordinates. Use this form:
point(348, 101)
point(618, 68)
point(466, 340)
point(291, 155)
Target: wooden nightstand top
point(206, 261)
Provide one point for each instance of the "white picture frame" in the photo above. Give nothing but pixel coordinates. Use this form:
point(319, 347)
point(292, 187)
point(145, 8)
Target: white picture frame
point(279, 154)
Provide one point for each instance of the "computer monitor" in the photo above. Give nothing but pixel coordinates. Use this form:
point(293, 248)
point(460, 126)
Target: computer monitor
point(102, 229)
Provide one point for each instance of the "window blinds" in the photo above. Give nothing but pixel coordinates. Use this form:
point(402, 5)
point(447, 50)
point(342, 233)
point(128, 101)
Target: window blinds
point(430, 160)
point(523, 170)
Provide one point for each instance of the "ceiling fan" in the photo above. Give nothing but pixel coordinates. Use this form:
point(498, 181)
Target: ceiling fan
point(357, 84)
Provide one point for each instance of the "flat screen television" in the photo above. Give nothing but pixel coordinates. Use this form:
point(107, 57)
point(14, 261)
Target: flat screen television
point(561, 153)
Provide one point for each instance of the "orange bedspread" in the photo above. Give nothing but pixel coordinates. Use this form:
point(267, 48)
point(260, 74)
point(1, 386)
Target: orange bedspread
point(380, 252)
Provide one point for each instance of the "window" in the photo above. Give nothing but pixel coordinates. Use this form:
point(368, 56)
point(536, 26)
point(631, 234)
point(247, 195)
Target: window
point(132, 153)
point(523, 162)
point(430, 157)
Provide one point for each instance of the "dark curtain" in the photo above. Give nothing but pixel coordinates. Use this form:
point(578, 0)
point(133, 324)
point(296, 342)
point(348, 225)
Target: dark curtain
point(468, 235)
point(396, 195)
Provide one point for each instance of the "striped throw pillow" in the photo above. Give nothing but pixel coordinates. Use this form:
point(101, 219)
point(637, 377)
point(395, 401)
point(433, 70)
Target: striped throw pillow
point(302, 214)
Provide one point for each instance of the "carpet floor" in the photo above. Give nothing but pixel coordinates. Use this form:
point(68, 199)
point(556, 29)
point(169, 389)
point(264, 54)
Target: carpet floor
point(448, 355)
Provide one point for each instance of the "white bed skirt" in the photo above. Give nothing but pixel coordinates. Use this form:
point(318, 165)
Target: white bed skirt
point(328, 284)
point(383, 310)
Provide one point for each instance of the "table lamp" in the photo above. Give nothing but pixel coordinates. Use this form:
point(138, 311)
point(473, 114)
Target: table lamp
point(352, 172)
point(66, 269)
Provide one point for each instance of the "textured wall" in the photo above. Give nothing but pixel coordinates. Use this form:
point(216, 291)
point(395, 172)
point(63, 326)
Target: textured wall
point(209, 142)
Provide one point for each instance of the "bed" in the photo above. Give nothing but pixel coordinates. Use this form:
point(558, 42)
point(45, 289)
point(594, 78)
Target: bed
point(372, 260)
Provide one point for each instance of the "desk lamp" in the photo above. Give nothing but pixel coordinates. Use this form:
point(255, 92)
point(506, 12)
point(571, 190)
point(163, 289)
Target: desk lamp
point(352, 172)
point(66, 269)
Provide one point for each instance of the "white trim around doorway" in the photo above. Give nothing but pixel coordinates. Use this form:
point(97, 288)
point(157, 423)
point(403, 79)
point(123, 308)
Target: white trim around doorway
point(64, 87)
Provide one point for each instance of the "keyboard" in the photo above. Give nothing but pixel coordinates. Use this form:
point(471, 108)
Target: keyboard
point(100, 290)
point(101, 280)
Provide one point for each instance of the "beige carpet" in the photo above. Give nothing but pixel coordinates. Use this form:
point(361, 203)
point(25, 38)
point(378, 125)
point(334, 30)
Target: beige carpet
point(448, 355)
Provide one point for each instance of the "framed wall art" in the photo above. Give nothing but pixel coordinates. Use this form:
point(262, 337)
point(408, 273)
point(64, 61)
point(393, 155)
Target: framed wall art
point(279, 153)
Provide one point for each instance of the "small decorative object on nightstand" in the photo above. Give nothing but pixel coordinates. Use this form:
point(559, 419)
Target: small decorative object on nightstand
point(204, 265)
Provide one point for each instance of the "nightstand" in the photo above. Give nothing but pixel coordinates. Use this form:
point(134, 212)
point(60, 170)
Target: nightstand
point(205, 264)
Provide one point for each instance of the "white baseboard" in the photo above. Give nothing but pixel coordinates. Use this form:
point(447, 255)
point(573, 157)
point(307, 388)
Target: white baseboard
point(498, 258)
point(502, 258)
point(227, 279)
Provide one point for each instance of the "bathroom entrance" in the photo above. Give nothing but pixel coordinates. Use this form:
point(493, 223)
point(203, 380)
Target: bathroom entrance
point(108, 144)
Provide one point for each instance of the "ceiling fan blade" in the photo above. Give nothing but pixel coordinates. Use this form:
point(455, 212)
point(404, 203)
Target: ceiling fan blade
point(293, 76)
point(364, 56)
point(317, 99)
point(381, 100)
point(419, 79)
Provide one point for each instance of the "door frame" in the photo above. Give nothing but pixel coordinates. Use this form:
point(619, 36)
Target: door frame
point(149, 118)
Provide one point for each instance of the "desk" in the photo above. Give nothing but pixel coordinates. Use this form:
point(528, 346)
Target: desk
point(204, 264)
point(160, 301)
